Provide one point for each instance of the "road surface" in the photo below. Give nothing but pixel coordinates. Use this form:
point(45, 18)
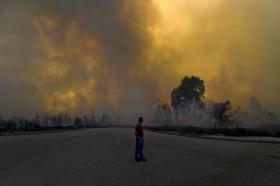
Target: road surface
point(106, 157)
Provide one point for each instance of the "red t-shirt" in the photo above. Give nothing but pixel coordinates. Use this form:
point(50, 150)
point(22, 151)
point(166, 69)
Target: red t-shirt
point(139, 130)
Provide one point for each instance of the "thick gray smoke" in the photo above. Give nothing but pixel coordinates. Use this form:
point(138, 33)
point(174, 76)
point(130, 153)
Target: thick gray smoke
point(76, 55)
point(123, 57)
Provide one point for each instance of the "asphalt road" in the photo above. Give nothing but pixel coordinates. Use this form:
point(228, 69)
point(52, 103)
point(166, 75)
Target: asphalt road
point(106, 157)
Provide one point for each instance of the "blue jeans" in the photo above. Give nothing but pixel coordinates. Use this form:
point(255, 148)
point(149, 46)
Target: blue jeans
point(139, 149)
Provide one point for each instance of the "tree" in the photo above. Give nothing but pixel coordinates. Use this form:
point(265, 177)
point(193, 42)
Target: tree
point(221, 112)
point(255, 104)
point(163, 114)
point(191, 89)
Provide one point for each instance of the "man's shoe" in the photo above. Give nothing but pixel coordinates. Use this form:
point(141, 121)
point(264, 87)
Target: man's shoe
point(143, 159)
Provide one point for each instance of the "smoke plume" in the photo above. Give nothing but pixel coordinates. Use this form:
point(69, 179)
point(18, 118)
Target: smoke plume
point(124, 57)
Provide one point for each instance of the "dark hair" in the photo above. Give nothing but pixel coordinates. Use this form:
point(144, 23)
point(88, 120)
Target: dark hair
point(140, 119)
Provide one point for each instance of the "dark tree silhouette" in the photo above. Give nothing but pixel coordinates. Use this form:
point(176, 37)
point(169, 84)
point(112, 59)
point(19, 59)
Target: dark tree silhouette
point(221, 112)
point(190, 90)
point(255, 104)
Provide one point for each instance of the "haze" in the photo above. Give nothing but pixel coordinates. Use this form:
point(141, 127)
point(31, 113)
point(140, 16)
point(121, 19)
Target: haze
point(125, 57)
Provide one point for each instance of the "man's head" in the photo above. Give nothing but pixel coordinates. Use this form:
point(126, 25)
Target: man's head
point(140, 120)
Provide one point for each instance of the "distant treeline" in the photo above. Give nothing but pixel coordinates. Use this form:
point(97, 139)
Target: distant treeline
point(52, 122)
point(200, 131)
point(189, 107)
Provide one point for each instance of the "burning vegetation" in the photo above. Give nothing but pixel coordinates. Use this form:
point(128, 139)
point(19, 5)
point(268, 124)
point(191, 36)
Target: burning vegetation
point(191, 110)
point(125, 57)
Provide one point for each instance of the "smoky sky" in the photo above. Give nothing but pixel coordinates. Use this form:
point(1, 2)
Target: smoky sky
point(123, 56)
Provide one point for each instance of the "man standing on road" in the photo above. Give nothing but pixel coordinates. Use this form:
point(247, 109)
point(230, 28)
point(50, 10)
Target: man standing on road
point(139, 134)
